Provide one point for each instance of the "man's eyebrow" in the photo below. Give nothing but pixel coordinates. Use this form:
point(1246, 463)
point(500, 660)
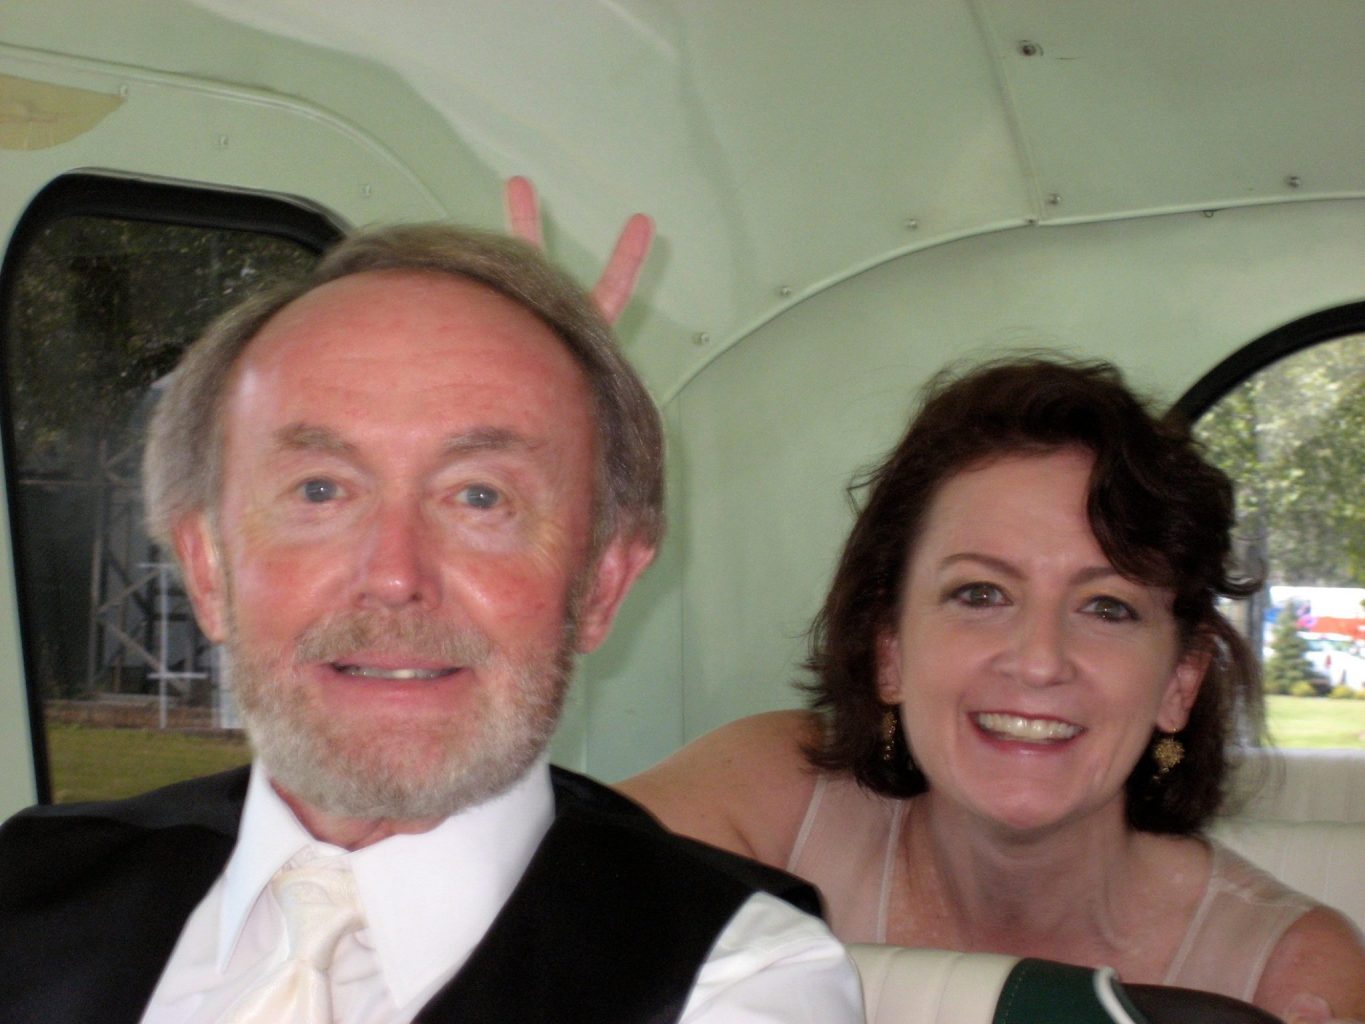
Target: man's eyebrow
point(306, 437)
point(486, 439)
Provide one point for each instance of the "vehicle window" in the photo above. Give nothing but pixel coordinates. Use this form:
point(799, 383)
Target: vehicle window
point(1292, 436)
point(97, 308)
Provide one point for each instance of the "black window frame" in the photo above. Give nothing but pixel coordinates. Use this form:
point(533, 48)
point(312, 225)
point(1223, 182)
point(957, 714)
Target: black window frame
point(1295, 336)
point(1284, 341)
point(136, 199)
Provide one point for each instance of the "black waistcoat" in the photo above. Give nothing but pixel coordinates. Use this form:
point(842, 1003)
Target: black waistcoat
point(610, 923)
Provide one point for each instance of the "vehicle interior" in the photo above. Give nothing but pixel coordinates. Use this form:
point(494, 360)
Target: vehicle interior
point(846, 198)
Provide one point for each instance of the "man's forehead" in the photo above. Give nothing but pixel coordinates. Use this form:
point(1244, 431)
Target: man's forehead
point(389, 316)
point(439, 354)
point(421, 295)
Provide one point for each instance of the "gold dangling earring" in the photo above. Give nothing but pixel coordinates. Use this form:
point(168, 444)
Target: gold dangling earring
point(1167, 752)
point(888, 735)
point(890, 723)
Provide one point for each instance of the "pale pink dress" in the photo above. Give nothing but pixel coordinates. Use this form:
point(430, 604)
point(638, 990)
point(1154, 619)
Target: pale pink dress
point(849, 840)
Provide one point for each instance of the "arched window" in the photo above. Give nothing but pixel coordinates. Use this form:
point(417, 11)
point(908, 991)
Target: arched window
point(1285, 417)
point(105, 281)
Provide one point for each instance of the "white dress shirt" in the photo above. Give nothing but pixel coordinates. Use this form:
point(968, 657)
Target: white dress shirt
point(429, 899)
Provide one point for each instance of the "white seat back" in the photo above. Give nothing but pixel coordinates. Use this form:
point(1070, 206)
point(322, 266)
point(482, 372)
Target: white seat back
point(927, 986)
point(1305, 823)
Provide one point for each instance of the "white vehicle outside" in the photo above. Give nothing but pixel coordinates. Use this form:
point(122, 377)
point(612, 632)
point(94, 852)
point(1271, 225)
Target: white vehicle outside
point(1336, 660)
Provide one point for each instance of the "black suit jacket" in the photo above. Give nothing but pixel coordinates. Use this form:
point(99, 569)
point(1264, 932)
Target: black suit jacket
point(610, 923)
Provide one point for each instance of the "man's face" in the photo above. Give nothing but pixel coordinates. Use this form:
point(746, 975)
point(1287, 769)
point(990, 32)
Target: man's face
point(400, 562)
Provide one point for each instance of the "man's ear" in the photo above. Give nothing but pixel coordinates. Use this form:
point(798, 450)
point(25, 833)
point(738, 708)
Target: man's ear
point(610, 580)
point(1183, 688)
point(196, 545)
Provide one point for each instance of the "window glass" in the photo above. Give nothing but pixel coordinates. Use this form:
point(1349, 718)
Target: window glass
point(1292, 436)
point(98, 309)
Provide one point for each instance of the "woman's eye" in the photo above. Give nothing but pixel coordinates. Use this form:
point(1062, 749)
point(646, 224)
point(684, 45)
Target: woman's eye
point(979, 595)
point(1111, 609)
point(319, 490)
point(480, 496)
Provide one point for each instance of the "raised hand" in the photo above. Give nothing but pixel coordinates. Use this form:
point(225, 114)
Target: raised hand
point(614, 288)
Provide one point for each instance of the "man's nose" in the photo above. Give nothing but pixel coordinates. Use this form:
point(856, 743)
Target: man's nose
point(397, 560)
point(1042, 650)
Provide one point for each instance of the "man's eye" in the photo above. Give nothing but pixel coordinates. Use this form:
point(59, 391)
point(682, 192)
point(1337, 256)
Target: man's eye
point(320, 490)
point(480, 496)
point(979, 595)
point(1111, 609)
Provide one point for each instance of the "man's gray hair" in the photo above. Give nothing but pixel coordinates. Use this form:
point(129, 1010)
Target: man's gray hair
point(182, 463)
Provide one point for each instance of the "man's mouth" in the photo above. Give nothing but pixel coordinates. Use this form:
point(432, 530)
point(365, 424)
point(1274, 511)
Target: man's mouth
point(374, 672)
point(1021, 728)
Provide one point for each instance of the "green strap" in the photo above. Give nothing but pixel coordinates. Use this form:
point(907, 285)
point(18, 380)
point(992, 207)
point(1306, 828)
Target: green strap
point(1044, 992)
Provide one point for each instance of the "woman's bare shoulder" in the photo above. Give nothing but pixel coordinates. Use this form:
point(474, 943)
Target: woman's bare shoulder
point(1322, 955)
point(743, 787)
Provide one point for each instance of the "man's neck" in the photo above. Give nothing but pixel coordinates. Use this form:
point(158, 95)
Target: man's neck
point(346, 832)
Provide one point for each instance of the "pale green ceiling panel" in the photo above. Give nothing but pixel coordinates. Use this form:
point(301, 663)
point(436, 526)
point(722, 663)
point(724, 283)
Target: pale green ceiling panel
point(175, 41)
point(784, 145)
point(1184, 103)
point(780, 145)
point(172, 128)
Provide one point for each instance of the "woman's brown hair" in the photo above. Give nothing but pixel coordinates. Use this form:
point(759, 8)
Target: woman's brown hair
point(1161, 513)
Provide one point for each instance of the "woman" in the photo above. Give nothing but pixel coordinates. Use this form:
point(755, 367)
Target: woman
point(1022, 699)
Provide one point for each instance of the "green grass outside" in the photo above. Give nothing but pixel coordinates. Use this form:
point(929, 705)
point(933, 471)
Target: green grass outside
point(91, 763)
point(1316, 722)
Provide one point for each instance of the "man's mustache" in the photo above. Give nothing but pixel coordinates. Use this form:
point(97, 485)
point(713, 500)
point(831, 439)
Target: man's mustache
point(413, 635)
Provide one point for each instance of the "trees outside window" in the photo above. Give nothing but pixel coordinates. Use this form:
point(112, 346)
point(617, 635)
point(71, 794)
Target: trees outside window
point(1292, 437)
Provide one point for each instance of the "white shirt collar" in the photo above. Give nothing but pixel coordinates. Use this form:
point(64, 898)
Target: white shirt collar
point(425, 896)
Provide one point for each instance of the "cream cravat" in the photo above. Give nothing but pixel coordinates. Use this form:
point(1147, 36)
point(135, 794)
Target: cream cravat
point(319, 904)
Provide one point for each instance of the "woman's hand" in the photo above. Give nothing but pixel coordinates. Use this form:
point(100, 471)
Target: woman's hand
point(1306, 1008)
point(613, 289)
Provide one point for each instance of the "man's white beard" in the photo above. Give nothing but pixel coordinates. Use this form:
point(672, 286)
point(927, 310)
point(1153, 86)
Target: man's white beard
point(349, 767)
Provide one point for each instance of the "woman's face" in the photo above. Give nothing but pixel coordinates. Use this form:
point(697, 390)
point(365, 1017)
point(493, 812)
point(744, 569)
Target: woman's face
point(1029, 672)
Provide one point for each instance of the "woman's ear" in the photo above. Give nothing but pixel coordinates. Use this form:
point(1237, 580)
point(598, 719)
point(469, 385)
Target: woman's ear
point(889, 667)
point(1183, 686)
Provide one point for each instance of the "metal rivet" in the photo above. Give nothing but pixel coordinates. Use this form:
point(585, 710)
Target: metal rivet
point(1053, 199)
point(911, 224)
point(222, 142)
point(785, 290)
point(701, 338)
point(1029, 49)
point(1293, 181)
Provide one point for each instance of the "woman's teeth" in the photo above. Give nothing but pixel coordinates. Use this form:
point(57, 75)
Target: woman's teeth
point(1030, 730)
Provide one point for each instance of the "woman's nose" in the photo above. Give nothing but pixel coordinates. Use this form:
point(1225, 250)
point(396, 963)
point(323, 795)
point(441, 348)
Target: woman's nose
point(1042, 651)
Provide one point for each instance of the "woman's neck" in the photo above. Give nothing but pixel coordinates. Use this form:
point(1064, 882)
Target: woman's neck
point(1067, 893)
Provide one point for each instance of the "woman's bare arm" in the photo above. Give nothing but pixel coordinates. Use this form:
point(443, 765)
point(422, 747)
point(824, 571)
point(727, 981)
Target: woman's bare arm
point(743, 787)
point(1317, 972)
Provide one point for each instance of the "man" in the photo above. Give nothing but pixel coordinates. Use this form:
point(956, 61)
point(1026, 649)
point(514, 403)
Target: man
point(404, 494)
